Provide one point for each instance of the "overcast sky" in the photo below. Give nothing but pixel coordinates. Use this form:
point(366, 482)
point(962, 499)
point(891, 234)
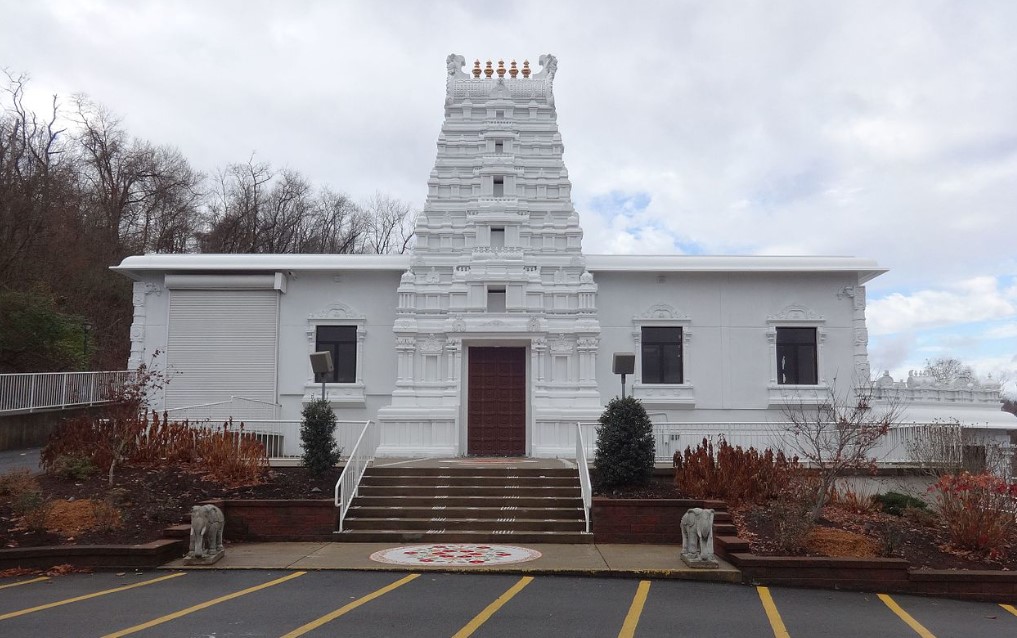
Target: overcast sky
point(885, 130)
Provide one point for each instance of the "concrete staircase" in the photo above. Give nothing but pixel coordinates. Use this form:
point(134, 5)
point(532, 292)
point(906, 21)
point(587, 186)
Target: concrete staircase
point(467, 505)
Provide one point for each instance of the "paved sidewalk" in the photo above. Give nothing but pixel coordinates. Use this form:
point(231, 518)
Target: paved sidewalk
point(658, 561)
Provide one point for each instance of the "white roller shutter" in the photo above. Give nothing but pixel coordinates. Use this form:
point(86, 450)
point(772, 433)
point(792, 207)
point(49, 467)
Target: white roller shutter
point(222, 343)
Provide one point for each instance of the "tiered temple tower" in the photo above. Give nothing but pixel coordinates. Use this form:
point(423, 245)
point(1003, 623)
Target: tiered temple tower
point(497, 330)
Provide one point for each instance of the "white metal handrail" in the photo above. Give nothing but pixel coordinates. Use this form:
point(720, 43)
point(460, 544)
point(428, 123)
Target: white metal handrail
point(31, 391)
point(897, 446)
point(356, 464)
point(584, 475)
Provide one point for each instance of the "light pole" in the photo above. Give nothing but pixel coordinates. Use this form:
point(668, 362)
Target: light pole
point(623, 363)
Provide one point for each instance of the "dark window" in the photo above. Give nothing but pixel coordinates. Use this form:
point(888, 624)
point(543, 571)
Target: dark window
point(341, 341)
point(499, 187)
point(497, 238)
point(496, 299)
point(796, 356)
point(499, 147)
point(662, 355)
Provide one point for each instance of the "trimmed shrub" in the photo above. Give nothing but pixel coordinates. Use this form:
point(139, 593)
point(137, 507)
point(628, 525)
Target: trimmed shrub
point(895, 503)
point(977, 510)
point(732, 473)
point(231, 457)
point(317, 433)
point(624, 453)
point(72, 467)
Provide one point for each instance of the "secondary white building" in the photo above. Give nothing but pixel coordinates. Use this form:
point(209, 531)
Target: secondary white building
point(496, 335)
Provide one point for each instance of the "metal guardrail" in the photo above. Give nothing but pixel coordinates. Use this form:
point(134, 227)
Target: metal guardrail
point(898, 446)
point(32, 391)
point(356, 464)
point(584, 475)
point(235, 407)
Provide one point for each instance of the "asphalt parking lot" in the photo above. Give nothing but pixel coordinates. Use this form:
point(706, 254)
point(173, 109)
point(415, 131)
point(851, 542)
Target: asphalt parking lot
point(363, 604)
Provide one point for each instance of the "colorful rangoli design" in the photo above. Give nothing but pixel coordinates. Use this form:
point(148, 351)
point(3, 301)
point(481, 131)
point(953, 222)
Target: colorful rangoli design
point(455, 555)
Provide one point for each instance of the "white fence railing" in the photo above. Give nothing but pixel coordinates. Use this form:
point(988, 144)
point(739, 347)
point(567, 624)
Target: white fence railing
point(236, 408)
point(359, 458)
point(281, 437)
point(584, 475)
point(31, 391)
point(935, 443)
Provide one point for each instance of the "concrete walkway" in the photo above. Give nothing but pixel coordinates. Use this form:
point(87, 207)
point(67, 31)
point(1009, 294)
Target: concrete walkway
point(20, 459)
point(658, 561)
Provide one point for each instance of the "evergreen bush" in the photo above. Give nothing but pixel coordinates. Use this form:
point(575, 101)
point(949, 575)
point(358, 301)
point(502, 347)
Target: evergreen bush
point(895, 503)
point(317, 433)
point(624, 454)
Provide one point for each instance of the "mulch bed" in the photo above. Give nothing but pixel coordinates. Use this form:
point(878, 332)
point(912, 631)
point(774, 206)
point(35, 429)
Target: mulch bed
point(841, 532)
point(148, 501)
point(924, 546)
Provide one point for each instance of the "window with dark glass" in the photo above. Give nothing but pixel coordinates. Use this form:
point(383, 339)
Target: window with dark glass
point(498, 187)
point(796, 356)
point(662, 355)
point(341, 341)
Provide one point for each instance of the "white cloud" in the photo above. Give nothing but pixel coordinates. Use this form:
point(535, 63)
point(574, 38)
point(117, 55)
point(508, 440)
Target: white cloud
point(970, 301)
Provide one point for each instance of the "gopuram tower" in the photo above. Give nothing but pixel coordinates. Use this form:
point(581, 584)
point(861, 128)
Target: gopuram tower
point(497, 329)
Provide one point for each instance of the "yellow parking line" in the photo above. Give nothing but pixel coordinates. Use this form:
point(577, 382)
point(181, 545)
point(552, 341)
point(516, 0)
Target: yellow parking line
point(779, 631)
point(906, 617)
point(314, 624)
point(628, 629)
point(25, 582)
point(190, 610)
point(68, 601)
point(489, 611)
point(1009, 608)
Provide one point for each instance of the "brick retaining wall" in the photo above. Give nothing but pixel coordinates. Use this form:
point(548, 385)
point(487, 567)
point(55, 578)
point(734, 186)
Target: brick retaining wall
point(646, 521)
point(275, 520)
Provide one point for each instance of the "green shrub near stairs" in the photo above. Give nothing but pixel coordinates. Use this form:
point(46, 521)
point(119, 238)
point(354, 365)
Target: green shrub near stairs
point(317, 434)
point(624, 454)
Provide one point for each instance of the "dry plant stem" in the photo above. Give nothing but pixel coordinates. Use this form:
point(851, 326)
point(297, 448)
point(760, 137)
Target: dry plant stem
point(839, 434)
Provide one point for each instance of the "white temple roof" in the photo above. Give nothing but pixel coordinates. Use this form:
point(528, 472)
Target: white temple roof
point(866, 268)
point(134, 266)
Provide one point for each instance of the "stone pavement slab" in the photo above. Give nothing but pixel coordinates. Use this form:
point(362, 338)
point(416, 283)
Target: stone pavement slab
point(659, 561)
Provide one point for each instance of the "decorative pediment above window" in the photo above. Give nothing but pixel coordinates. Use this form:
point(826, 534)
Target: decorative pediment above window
point(338, 311)
point(661, 311)
point(796, 313)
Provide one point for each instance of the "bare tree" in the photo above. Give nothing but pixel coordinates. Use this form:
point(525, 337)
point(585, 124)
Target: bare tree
point(337, 225)
point(839, 434)
point(391, 223)
point(947, 370)
point(34, 179)
point(138, 197)
point(936, 448)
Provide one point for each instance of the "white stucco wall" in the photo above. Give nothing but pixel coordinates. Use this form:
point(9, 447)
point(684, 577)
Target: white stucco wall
point(728, 359)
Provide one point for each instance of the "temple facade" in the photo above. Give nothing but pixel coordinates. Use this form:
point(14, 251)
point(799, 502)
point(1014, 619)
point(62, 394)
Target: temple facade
point(497, 333)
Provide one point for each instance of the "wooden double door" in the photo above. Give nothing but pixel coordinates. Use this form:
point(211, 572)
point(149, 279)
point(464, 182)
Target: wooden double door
point(496, 408)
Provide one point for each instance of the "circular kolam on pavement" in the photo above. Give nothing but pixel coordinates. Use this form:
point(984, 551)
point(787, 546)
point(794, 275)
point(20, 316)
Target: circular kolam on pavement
point(455, 555)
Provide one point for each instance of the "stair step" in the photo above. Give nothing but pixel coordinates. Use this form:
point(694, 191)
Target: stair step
point(467, 490)
point(467, 524)
point(471, 481)
point(465, 536)
point(465, 512)
point(402, 501)
point(177, 531)
point(472, 471)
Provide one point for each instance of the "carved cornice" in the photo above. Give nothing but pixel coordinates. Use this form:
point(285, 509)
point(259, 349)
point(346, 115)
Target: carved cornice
point(337, 311)
point(795, 312)
point(661, 311)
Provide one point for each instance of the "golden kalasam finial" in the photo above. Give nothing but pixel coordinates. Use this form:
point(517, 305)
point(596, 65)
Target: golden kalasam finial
point(476, 68)
point(501, 68)
point(513, 71)
point(488, 71)
point(526, 68)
